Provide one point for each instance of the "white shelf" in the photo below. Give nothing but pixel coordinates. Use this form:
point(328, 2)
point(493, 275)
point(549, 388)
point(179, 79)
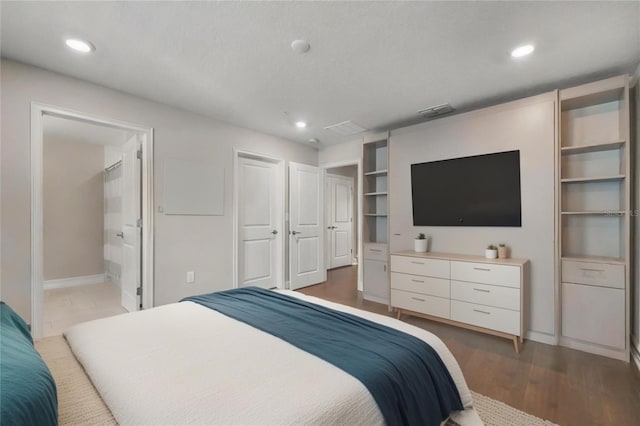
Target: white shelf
point(595, 147)
point(596, 259)
point(593, 179)
point(377, 173)
point(612, 213)
point(375, 215)
point(373, 194)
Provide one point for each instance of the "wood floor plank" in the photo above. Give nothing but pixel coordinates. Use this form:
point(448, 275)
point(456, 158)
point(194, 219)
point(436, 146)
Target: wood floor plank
point(562, 385)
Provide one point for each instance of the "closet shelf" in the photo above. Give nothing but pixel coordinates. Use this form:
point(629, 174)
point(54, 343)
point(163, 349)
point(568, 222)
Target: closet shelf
point(594, 147)
point(373, 194)
point(376, 214)
point(613, 213)
point(377, 173)
point(593, 179)
point(596, 259)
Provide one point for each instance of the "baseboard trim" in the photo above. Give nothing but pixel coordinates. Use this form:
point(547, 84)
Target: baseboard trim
point(73, 281)
point(537, 336)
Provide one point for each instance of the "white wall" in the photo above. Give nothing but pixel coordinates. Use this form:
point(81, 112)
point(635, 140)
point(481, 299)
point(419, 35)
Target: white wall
point(341, 152)
point(73, 208)
point(527, 125)
point(182, 243)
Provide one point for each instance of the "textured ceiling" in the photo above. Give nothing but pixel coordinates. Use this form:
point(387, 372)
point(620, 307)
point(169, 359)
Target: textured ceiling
point(375, 63)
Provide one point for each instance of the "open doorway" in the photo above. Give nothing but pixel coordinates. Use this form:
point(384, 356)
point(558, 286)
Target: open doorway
point(343, 188)
point(91, 219)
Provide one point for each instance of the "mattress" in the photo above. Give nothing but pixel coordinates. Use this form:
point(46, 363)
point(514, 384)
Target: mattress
point(186, 364)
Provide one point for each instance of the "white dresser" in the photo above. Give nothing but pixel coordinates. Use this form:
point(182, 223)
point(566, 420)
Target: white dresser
point(485, 295)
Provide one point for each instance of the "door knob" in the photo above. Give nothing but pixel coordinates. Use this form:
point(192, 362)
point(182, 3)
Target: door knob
point(274, 232)
point(120, 234)
point(295, 233)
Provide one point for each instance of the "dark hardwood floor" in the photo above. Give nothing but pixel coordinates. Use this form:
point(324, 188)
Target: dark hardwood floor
point(562, 385)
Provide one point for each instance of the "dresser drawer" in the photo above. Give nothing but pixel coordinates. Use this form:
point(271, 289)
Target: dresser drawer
point(504, 320)
point(486, 273)
point(599, 274)
point(500, 297)
point(376, 252)
point(420, 266)
point(430, 305)
point(420, 284)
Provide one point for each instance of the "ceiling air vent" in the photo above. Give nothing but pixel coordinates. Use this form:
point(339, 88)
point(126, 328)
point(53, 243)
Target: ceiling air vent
point(346, 128)
point(436, 110)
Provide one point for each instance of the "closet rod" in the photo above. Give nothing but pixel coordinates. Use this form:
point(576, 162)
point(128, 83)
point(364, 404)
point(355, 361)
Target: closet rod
point(113, 166)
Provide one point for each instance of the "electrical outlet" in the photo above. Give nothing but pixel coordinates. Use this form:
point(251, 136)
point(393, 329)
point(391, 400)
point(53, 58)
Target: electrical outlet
point(191, 277)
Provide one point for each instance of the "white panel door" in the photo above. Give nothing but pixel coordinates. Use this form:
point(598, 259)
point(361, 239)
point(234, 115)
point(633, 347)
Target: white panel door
point(306, 253)
point(259, 218)
point(340, 220)
point(131, 231)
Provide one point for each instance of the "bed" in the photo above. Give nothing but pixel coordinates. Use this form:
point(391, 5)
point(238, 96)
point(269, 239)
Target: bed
point(187, 363)
point(28, 393)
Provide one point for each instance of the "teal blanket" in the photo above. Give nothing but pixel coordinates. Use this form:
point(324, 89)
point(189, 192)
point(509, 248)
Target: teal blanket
point(27, 390)
point(405, 376)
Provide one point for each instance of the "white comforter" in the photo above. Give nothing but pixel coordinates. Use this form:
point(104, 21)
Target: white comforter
point(187, 364)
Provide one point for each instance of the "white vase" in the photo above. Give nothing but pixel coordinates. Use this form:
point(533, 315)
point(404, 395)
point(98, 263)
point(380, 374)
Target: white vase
point(420, 246)
point(490, 254)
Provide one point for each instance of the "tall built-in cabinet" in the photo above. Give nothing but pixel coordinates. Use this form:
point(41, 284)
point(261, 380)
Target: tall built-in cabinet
point(594, 214)
point(376, 221)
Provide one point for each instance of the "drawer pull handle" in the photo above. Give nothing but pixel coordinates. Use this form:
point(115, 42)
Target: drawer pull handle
point(591, 270)
point(378, 250)
point(418, 281)
point(418, 299)
point(483, 269)
point(417, 263)
point(482, 312)
point(482, 290)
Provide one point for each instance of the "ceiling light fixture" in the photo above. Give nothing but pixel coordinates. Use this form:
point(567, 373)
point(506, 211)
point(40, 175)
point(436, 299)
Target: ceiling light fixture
point(300, 46)
point(521, 51)
point(81, 46)
point(301, 124)
point(314, 140)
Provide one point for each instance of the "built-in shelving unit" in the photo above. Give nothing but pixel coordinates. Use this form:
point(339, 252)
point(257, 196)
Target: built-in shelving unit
point(594, 217)
point(376, 220)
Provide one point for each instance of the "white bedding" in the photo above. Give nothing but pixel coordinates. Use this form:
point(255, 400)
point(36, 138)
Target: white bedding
point(187, 364)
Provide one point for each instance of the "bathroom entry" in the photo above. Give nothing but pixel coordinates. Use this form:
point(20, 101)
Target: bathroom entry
point(91, 211)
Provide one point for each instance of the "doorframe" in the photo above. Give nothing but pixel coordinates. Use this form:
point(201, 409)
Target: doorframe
point(38, 110)
point(327, 214)
point(352, 162)
point(280, 163)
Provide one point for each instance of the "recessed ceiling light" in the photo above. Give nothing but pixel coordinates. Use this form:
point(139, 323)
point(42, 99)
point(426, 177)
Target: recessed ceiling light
point(301, 124)
point(81, 46)
point(521, 51)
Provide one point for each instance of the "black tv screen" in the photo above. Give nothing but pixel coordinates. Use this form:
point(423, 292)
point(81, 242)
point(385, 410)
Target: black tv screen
point(483, 190)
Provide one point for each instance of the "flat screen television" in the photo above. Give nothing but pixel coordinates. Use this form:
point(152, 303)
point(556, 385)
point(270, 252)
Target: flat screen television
point(483, 190)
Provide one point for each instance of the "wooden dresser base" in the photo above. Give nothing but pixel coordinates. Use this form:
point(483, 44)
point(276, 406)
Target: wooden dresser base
point(517, 340)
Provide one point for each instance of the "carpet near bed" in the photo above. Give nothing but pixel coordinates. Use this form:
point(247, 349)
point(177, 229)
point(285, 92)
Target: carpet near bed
point(80, 404)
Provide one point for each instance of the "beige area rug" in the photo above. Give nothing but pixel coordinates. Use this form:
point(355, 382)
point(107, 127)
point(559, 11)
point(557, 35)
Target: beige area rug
point(80, 404)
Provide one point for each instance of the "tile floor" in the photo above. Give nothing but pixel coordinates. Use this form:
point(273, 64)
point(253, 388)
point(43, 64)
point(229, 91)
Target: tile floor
point(64, 307)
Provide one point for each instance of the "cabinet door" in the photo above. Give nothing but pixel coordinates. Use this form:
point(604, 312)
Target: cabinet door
point(593, 314)
point(376, 280)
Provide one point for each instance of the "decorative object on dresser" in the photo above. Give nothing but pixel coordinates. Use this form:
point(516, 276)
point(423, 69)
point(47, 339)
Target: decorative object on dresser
point(502, 252)
point(420, 243)
point(462, 290)
point(376, 222)
point(594, 217)
point(491, 252)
